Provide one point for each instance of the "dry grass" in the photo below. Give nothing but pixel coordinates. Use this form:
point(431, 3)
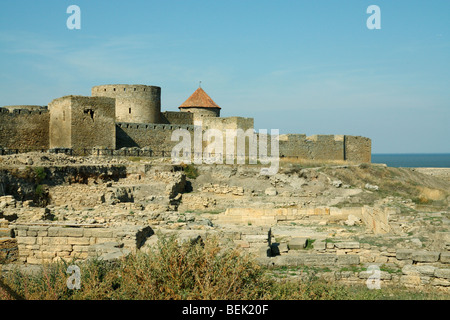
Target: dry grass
point(203, 271)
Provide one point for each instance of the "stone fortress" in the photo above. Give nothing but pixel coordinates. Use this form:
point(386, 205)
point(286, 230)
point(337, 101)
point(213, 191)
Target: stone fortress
point(122, 116)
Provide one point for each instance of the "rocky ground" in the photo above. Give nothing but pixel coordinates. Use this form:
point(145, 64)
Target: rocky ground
point(318, 232)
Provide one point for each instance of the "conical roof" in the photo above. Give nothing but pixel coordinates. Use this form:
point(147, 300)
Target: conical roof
point(199, 99)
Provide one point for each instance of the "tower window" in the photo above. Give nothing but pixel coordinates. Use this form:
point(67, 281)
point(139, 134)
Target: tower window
point(129, 110)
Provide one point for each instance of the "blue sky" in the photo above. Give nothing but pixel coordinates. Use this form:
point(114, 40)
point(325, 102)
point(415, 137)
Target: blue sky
point(308, 67)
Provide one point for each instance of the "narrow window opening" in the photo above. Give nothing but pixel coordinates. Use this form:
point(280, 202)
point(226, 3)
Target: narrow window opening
point(90, 112)
point(129, 110)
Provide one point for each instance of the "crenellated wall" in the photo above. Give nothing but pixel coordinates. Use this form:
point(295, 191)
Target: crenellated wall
point(24, 128)
point(326, 147)
point(155, 136)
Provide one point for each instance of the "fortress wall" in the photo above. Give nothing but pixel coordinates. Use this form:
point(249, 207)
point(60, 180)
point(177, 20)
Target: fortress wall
point(326, 147)
point(24, 128)
point(316, 147)
point(227, 123)
point(172, 117)
point(155, 136)
point(358, 149)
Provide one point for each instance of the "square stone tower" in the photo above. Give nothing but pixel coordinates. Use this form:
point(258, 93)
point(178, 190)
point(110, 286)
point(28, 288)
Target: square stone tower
point(79, 122)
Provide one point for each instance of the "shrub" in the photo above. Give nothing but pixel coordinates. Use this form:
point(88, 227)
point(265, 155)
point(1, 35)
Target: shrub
point(190, 171)
point(39, 174)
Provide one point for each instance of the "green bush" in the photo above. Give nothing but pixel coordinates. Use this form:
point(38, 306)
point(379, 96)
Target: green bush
point(190, 171)
point(39, 174)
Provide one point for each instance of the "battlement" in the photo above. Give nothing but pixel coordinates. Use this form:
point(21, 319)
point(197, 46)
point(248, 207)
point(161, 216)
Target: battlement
point(129, 90)
point(16, 110)
point(154, 126)
point(134, 103)
point(23, 127)
point(326, 147)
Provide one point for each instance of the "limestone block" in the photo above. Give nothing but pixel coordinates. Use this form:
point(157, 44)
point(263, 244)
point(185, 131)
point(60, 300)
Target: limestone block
point(104, 240)
point(62, 247)
point(319, 245)
point(45, 255)
point(441, 282)
point(445, 257)
point(21, 233)
point(255, 238)
point(381, 259)
point(25, 253)
point(98, 233)
point(54, 240)
point(33, 247)
point(348, 259)
point(79, 255)
point(271, 192)
point(297, 243)
point(410, 280)
point(26, 240)
point(63, 254)
point(285, 260)
point(54, 231)
point(283, 247)
point(426, 270)
point(80, 248)
point(425, 256)
point(5, 232)
point(347, 245)
point(383, 275)
point(404, 254)
point(318, 259)
point(71, 232)
point(78, 241)
point(410, 270)
point(442, 273)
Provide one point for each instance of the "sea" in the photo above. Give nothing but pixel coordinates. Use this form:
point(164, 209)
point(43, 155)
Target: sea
point(413, 160)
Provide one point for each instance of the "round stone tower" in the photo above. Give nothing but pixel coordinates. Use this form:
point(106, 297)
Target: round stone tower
point(134, 103)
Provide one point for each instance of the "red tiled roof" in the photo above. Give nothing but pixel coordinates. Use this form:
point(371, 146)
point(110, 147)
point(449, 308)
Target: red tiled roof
point(199, 99)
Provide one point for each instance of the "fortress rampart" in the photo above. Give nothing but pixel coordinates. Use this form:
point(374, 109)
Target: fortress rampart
point(134, 103)
point(155, 136)
point(123, 116)
point(24, 128)
point(326, 147)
